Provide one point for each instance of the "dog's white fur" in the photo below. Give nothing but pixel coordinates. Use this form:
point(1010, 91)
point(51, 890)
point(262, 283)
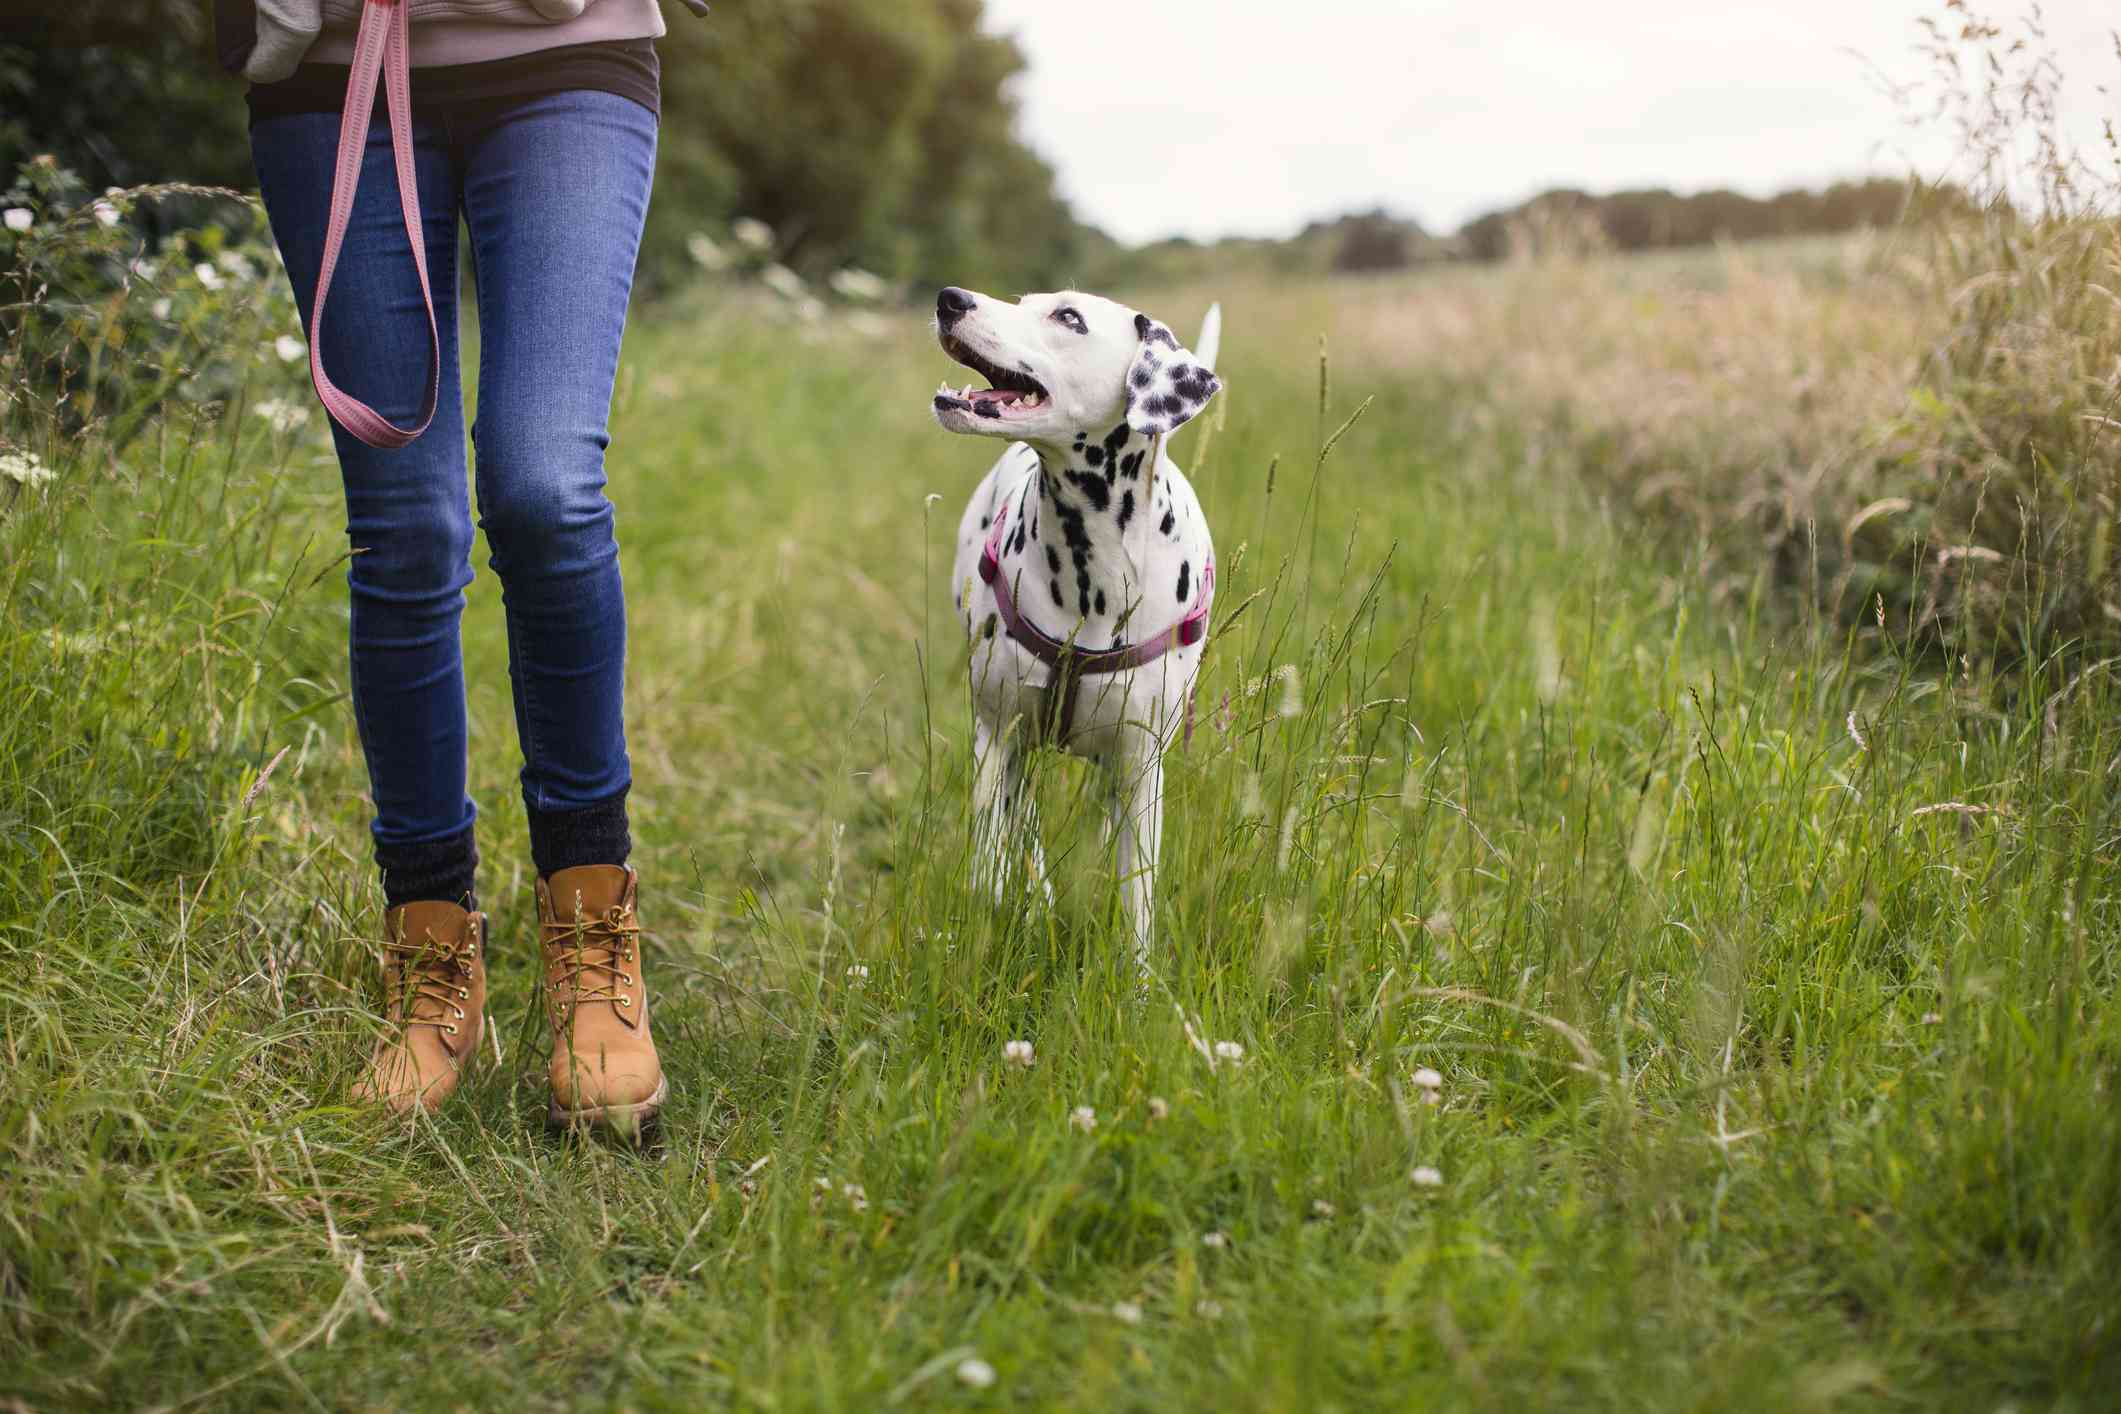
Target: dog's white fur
point(1106, 543)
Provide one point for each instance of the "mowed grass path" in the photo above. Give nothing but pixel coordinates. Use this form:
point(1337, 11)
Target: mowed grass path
point(1768, 973)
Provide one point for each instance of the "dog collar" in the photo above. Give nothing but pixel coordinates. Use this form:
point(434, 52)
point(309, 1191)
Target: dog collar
point(1069, 664)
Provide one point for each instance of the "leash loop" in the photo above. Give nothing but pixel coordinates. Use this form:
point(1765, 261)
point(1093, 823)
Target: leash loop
point(382, 51)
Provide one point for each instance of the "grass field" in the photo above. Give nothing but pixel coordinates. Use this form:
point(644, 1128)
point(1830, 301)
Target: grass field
point(1767, 964)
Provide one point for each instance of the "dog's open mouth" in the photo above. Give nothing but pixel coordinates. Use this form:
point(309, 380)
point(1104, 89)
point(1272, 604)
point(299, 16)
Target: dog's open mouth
point(1009, 393)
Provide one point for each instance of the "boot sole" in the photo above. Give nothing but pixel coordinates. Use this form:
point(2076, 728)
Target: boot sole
point(627, 1120)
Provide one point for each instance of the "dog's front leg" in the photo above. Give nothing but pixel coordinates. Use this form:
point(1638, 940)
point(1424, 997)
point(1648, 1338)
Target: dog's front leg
point(1005, 821)
point(1138, 824)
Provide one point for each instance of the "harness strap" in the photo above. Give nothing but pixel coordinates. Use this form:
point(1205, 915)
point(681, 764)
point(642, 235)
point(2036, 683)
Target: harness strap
point(1066, 664)
point(382, 49)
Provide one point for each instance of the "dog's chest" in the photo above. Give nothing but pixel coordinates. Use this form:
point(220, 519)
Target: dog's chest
point(1104, 552)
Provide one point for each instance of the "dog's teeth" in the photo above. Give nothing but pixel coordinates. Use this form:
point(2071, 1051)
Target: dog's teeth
point(1032, 400)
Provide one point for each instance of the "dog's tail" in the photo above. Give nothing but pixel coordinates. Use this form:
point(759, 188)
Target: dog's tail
point(1211, 337)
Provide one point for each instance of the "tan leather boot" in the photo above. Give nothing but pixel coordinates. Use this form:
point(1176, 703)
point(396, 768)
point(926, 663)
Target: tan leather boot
point(434, 979)
point(604, 1067)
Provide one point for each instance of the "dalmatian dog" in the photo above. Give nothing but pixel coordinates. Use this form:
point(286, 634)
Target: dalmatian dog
point(1084, 569)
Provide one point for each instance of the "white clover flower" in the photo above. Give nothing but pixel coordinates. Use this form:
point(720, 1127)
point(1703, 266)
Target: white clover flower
point(705, 253)
point(105, 213)
point(160, 308)
point(860, 285)
point(1320, 1208)
point(1216, 1240)
point(975, 1372)
point(289, 348)
point(237, 265)
point(1208, 1309)
point(18, 218)
point(1019, 1053)
point(143, 269)
point(25, 469)
point(1230, 1051)
point(856, 1198)
point(859, 972)
point(1427, 1078)
point(281, 415)
point(208, 276)
point(1127, 1313)
point(1083, 1118)
point(1159, 1107)
point(1426, 1177)
point(752, 234)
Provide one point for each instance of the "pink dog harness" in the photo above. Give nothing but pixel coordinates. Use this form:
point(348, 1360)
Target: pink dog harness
point(381, 48)
point(1067, 664)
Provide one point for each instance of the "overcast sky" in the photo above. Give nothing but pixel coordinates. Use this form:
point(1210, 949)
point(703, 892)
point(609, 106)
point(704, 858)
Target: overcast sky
point(1245, 117)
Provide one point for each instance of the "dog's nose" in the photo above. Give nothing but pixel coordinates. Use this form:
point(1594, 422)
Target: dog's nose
point(952, 305)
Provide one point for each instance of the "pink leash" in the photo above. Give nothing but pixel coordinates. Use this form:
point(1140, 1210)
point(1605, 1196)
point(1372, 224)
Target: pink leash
point(382, 47)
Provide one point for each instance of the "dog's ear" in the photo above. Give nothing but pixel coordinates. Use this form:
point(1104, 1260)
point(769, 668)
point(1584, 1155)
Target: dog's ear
point(1166, 384)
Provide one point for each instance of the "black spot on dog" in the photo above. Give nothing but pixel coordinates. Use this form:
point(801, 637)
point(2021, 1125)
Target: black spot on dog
point(1168, 522)
point(1094, 490)
point(1082, 591)
point(1057, 600)
point(1094, 455)
point(1100, 601)
point(1053, 559)
point(1126, 509)
point(988, 630)
point(1131, 465)
point(985, 521)
point(1185, 579)
point(1139, 378)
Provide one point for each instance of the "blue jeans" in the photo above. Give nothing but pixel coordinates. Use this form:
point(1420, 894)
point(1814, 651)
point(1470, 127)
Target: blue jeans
point(554, 190)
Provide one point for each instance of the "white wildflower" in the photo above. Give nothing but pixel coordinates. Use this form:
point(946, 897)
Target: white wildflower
point(1216, 1240)
point(18, 218)
point(859, 972)
point(1019, 1053)
point(856, 1198)
point(1208, 1309)
point(1159, 1107)
point(752, 234)
point(289, 348)
point(860, 285)
point(143, 269)
point(975, 1372)
point(1932, 1018)
point(1320, 1208)
point(1083, 1118)
point(1230, 1051)
point(160, 308)
point(1430, 1083)
point(282, 415)
point(105, 213)
point(783, 281)
point(1426, 1177)
point(1127, 1312)
point(208, 276)
point(705, 253)
point(237, 265)
point(25, 469)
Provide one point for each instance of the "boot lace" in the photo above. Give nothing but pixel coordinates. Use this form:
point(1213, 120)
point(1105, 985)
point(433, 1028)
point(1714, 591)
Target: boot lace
point(431, 978)
point(593, 952)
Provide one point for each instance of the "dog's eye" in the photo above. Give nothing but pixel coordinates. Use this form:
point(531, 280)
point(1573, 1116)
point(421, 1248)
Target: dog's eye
point(1068, 315)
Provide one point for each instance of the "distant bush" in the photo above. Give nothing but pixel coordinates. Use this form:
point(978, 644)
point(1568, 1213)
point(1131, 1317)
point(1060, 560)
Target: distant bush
point(1658, 219)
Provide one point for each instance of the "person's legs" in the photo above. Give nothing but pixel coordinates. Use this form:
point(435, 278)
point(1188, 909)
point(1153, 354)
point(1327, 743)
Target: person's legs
point(407, 516)
point(409, 524)
point(555, 192)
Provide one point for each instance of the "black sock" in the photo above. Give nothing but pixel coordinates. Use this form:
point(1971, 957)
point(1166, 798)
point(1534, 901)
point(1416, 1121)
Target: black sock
point(444, 870)
point(587, 834)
